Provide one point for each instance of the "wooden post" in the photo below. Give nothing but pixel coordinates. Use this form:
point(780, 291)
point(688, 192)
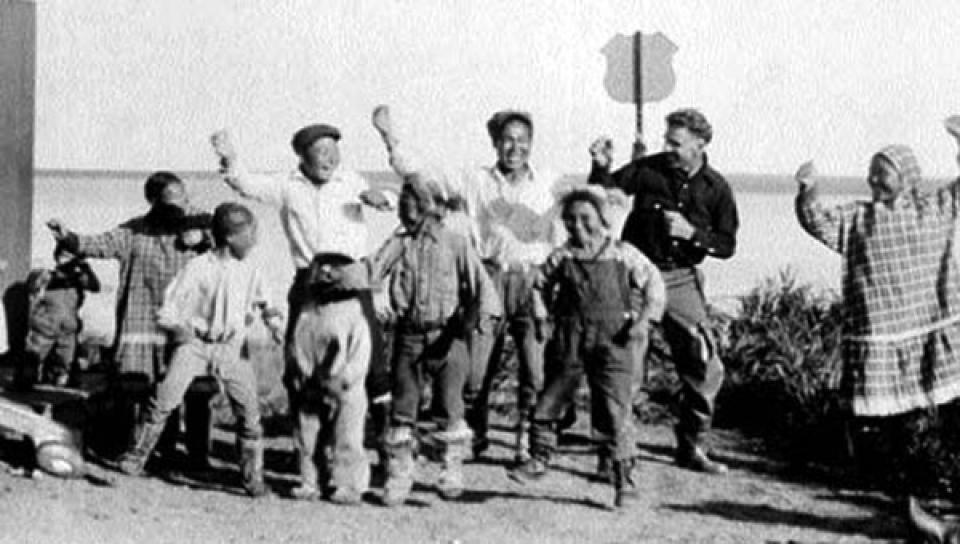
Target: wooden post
point(639, 148)
point(18, 41)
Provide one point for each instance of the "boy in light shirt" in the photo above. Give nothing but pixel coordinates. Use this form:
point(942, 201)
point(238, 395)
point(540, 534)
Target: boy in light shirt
point(206, 310)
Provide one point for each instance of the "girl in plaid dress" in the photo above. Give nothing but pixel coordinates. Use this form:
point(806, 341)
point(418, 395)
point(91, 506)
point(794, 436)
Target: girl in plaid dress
point(901, 283)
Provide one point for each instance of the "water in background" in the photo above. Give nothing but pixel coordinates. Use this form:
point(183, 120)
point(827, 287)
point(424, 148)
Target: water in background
point(90, 202)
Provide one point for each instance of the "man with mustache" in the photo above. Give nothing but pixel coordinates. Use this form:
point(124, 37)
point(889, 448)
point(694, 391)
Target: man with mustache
point(683, 211)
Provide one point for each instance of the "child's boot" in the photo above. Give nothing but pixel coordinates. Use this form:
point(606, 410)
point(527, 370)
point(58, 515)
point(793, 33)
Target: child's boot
point(380, 425)
point(604, 467)
point(454, 442)
point(251, 467)
point(145, 438)
point(400, 466)
point(624, 482)
point(522, 440)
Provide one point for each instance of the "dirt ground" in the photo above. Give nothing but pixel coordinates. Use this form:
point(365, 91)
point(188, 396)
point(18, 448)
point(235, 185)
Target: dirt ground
point(758, 501)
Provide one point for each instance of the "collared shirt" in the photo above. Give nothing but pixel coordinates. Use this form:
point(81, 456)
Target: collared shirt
point(648, 296)
point(512, 222)
point(433, 273)
point(704, 199)
point(149, 256)
point(216, 297)
point(316, 218)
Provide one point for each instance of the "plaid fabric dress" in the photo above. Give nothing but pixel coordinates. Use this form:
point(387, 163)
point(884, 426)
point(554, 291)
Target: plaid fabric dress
point(150, 255)
point(901, 291)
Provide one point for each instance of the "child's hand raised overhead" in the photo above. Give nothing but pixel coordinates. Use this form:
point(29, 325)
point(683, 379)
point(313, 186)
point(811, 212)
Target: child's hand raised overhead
point(805, 175)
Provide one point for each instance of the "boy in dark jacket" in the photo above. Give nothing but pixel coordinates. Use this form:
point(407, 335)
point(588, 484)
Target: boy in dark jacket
point(56, 296)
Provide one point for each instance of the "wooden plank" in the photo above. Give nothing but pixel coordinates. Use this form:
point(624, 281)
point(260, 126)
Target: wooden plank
point(17, 85)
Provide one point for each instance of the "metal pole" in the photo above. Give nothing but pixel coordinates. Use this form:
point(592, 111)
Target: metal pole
point(18, 42)
point(639, 148)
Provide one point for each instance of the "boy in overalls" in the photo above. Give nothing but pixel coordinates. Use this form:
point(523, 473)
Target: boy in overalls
point(602, 294)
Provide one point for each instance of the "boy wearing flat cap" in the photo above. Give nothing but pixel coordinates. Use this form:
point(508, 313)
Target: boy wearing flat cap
point(515, 222)
point(321, 210)
point(435, 279)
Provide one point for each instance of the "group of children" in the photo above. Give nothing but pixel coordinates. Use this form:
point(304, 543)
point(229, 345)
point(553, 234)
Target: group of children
point(601, 292)
point(594, 294)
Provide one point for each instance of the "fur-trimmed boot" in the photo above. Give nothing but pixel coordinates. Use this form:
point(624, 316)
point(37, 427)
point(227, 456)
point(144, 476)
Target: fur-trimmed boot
point(251, 467)
point(454, 442)
point(400, 466)
point(145, 438)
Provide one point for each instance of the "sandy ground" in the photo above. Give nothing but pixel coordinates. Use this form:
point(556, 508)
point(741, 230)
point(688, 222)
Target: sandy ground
point(758, 501)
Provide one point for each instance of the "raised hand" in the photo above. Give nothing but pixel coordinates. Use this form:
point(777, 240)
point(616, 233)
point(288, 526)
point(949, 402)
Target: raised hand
point(223, 147)
point(382, 121)
point(805, 175)
point(601, 151)
point(58, 229)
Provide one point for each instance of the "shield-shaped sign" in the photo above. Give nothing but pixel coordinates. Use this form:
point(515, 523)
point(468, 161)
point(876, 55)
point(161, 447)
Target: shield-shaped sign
point(656, 62)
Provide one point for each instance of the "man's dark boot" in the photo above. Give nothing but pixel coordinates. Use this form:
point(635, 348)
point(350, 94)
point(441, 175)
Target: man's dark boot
point(379, 426)
point(145, 438)
point(624, 482)
point(691, 456)
point(251, 467)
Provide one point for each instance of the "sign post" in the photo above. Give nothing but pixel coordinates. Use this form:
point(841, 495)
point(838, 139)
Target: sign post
point(639, 70)
point(17, 82)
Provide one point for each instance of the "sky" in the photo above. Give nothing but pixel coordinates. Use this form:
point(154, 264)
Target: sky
point(140, 84)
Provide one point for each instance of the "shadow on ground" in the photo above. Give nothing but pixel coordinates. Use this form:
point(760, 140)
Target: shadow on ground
point(881, 525)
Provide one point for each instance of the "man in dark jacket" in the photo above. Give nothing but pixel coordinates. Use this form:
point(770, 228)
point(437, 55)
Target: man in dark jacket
point(683, 211)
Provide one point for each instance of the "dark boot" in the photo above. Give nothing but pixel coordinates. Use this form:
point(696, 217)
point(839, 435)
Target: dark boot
point(624, 482)
point(691, 455)
point(251, 467)
point(145, 438)
point(400, 466)
point(604, 467)
point(379, 427)
point(198, 422)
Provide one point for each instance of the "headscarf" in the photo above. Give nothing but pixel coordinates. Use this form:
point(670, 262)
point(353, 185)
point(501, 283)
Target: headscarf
point(905, 161)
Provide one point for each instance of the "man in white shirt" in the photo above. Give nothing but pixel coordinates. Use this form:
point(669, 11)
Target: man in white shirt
point(514, 222)
point(321, 211)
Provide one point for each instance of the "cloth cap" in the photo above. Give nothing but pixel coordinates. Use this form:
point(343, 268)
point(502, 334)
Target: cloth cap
point(427, 190)
point(501, 118)
point(304, 138)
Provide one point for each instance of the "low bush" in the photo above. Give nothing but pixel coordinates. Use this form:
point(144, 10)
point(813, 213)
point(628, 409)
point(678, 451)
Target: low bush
point(782, 353)
point(783, 360)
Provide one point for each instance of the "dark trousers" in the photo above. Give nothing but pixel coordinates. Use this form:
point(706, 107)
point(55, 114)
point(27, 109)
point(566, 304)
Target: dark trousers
point(485, 352)
point(604, 354)
point(417, 355)
point(686, 328)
